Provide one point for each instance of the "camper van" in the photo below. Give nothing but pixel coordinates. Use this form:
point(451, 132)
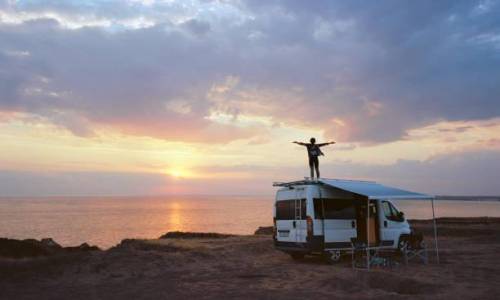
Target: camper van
point(324, 216)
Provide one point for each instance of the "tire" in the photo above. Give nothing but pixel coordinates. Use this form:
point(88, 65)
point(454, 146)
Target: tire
point(332, 257)
point(297, 255)
point(402, 242)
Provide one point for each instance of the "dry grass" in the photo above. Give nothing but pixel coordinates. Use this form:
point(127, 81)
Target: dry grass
point(248, 267)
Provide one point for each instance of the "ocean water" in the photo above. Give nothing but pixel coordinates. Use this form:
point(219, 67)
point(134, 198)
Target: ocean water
point(105, 221)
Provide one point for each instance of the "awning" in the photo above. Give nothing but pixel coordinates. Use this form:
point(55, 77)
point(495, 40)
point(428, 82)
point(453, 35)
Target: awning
point(374, 190)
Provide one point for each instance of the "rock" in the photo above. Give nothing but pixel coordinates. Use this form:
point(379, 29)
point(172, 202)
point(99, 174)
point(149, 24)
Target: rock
point(144, 245)
point(12, 248)
point(194, 235)
point(82, 248)
point(48, 242)
point(26, 248)
point(264, 230)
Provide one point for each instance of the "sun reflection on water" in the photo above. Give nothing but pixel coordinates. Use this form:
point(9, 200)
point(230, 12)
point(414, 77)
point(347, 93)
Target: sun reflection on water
point(175, 217)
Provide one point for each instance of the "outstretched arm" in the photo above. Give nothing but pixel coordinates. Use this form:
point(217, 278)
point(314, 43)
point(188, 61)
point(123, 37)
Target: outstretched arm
point(299, 143)
point(326, 144)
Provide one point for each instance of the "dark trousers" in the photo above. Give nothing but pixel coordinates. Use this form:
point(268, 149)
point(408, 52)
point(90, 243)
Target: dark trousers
point(314, 163)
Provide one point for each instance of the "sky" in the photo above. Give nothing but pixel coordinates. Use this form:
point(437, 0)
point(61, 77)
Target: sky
point(153, 97)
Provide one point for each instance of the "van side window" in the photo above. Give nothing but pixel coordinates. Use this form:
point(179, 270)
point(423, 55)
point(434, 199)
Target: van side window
point(387, 210)
point(395, 212)
point(390, 212)
point(334, 209)
point(285, 209)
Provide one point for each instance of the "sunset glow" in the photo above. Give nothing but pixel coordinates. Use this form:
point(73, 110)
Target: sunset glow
point(168, 97)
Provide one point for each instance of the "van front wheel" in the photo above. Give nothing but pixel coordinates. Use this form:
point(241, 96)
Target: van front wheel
point(403, 242)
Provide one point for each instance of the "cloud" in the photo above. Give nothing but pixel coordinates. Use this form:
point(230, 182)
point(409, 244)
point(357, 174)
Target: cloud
point(25, 184)
point(455, 174)
point(469, 173)
point(42, 184)
point(196, 27)
point(466, 173)
point(362, 72)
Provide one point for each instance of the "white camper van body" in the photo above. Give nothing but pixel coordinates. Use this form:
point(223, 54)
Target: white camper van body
point(310, 217)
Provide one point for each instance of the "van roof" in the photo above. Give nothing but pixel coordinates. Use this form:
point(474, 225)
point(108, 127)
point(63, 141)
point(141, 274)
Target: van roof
point(369, 189)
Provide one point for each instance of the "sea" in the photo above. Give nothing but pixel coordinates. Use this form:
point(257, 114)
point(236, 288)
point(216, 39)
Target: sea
point(105, 221)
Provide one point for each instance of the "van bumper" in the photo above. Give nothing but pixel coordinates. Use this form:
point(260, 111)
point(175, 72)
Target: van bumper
point(290, 247)
point(313, 244)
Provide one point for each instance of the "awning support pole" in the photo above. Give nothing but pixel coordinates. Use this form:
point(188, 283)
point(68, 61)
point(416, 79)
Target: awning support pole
point(435, 231)
point(368, 234)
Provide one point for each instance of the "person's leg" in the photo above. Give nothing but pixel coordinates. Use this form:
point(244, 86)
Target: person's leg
point(311, 166)
point(316, 164)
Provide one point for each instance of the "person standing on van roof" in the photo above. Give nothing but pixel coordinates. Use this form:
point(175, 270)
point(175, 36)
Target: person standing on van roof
point(313, 151)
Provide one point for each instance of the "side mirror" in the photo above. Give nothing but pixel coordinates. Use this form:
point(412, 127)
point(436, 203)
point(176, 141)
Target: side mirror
point(401, 215)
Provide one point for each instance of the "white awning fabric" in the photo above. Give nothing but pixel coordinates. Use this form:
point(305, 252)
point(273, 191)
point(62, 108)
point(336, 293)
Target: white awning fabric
point(374, 190)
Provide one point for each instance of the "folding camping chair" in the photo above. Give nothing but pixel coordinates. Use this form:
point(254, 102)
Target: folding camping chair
point(415, 248)
point(376, 259)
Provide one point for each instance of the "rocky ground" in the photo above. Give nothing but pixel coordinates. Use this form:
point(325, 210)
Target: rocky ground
point(207, 266)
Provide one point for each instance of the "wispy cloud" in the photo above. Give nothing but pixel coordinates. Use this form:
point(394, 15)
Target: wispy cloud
point(328, 61)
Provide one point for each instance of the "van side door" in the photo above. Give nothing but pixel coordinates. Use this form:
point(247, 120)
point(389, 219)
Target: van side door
point(392, 224)
point(339, 221)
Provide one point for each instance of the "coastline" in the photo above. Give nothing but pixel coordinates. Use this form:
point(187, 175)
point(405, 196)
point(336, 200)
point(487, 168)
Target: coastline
point(235, 266)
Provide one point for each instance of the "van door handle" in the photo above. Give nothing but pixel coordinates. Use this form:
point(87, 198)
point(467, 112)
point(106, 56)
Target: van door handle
point(294, 224)
point(353, 224)
point(385, 223)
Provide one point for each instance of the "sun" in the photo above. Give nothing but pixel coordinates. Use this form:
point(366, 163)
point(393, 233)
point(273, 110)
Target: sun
point(178, 173)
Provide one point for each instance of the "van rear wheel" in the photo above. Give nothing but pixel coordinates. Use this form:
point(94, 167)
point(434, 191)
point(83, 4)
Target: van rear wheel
point(297, 255)
point(332, 257)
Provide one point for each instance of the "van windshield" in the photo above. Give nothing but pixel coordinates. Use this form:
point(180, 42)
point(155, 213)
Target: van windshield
point(334, 209)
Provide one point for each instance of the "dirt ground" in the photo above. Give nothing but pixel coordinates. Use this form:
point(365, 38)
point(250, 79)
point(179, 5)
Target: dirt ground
point(248, 267)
